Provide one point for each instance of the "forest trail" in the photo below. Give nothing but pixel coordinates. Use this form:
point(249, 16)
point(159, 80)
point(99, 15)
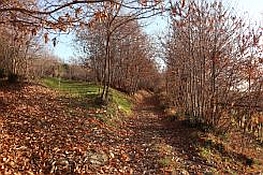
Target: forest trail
point(167, 146)
point(44, 133)
point(173, 147)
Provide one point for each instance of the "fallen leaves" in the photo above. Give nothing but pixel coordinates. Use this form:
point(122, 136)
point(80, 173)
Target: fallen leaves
point(42, 133)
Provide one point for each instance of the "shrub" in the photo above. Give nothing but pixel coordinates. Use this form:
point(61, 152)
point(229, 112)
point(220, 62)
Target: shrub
point(12, 78)
point(2, 73)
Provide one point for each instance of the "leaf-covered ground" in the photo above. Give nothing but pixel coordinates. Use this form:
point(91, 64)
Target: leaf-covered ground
point(42, 132)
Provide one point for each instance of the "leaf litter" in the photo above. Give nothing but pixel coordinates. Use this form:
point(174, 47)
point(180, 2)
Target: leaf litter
point(42, 134)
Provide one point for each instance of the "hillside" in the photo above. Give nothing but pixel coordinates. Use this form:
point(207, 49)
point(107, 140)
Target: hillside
point(51, 129)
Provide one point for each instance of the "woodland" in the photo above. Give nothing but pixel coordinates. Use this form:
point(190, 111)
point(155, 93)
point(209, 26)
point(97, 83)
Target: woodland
point(114, 108)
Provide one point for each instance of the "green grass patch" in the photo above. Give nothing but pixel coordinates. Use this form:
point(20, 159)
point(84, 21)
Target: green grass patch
point(78, 90)
point(123, 101)
point(72, 88)
point(205, 152)
point(165, 162)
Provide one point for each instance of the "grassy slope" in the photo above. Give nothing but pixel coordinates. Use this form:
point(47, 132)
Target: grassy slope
point(81, 90)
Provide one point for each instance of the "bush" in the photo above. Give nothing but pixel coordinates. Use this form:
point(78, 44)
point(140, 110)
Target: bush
point(2, 73)
point(12, 78)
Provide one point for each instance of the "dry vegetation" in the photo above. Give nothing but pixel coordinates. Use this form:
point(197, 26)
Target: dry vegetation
point(202, 114)
point(46, 132)
point(214, 68)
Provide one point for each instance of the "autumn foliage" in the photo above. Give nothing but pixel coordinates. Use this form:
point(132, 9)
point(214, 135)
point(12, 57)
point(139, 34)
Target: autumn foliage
point(211, 81)
point(214, 67)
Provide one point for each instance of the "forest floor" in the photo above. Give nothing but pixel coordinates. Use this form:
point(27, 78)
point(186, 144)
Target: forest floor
point(42, 132)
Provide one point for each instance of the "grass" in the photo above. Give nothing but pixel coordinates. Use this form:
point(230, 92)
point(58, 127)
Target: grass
point(73, 88)
point(83, 90)
point(165, 162)
point(205, 152)
point(122, 100)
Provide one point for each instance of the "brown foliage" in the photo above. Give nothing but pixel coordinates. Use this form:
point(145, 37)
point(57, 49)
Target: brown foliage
point(212, 61)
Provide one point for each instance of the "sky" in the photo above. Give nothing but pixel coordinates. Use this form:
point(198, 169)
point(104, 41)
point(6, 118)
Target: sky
point(252, 9)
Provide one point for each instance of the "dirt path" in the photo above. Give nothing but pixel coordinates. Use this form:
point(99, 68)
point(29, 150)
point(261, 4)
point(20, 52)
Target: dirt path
point(172, 147)
point(166, 146)
point(42, 133)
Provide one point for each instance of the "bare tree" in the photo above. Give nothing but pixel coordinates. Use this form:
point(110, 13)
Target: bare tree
point(207, 52)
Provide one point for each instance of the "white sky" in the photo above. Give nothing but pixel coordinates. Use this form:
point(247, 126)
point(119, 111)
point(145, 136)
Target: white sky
point(254, 9)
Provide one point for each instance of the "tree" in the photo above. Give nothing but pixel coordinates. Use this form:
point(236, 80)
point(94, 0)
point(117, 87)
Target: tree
point(65, 16)
point(206, 51)
point(107, 28)
point(129, 55)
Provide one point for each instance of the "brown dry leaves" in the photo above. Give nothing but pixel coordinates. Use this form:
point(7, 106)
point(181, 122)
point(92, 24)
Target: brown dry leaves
point(42, 134)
